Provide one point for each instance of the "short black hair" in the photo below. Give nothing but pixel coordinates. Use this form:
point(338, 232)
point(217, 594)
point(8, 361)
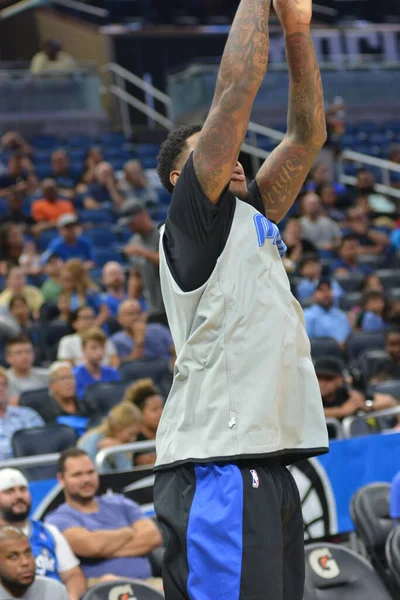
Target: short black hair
point(372, 295)
point(170, 151)
point(74, 314)
point(349, 237)
point(69, 453)
point(18, 339)
point(311, 257)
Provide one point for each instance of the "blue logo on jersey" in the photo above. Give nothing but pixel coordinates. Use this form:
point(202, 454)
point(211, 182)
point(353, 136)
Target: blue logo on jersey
point(269, 231)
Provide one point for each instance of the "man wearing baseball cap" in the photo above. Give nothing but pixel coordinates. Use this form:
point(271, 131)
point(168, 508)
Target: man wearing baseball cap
point(143, 251)
point(53, 555)
point(68, 244)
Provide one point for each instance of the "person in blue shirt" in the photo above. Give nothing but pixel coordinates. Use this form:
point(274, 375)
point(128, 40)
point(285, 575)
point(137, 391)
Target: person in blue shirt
point(349, 253)
point(311, 271)
point(373, 316)
point(68, 244)
point(92, 370)
point(323, 319)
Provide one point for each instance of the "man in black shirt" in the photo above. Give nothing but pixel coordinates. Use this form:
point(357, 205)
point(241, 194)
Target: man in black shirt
point(389, 368)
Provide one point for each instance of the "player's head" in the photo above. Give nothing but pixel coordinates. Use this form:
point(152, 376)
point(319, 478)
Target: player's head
point(17, 563)
point(176, 150)
point(15, 499)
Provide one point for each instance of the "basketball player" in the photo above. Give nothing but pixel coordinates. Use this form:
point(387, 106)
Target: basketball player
point(245, 400)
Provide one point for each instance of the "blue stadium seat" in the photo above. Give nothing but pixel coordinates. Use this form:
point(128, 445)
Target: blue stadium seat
point(325, 346)
point(42, 170)
point(101, 237)
point(50, 335)
point(46, 237)
point(101, 397)
point(359, 341)
point(350, 282)
point(95, 216)
point(155, 368)
point(78, 141)
point(149, 162)
point(350, 300)
point(350, 169)
point(44, 142)
point(164, 196)
point(41, 156)
point(34, 399)
point(77, 154)
point(112, 139)
point(393, 126)
point(377, 138)
point(389, 277)
point(146, 150)
point(42, 440)
point(368, 127)
point(105, 255)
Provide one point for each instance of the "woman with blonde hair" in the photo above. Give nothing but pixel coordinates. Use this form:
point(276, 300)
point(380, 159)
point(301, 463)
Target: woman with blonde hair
point(81, 290)
point(144, 395)
point(121, 426)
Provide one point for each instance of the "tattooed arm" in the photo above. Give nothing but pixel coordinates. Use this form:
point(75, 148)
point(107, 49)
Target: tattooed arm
point(284, 172)
point(242, 70)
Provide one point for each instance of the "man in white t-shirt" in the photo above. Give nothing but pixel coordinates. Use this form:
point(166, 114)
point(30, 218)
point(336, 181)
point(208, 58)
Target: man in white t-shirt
point(17, 570)
point(70, 346)
point(52, 553)
point(22, 375)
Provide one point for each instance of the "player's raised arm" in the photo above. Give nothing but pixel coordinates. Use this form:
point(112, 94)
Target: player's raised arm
point(283, 173)
point(242, 70)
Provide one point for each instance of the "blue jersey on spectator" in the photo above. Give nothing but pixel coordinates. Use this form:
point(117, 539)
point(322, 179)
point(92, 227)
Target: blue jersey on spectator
point(15, 418)
point(113, 512)
point(306, 287)
point(157, 343)
point(84, 378)
point(341, 264)
point(81, 249)
point(112, 303)
point(323, 322)
point(370, 321)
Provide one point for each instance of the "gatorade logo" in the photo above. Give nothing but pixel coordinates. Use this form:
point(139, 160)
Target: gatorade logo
point(323, 564)
point(122, 592)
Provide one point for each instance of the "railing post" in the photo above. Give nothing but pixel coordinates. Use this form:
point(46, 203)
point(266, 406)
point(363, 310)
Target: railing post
point(123, 107)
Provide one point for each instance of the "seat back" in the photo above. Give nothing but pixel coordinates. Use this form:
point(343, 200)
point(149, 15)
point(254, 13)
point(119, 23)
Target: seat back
point(360, 341)
point(50, 336)
point(155, 368)
point(101, 397)
point(349, 300)
point(370, 512)
point(127, 589)
point(325, 346)
point(350, 282)
point(34, 399)
point(393, 556)
point(368, 361)
point(334, 572)
point(42, 440)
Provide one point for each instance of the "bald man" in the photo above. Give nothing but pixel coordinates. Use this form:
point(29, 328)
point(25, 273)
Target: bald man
point(114, 282)
point(17, 570)
point(139, 339)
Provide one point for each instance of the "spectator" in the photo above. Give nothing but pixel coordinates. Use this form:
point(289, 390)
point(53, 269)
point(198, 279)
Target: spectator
point(16, 284)
point(11, 246)
point(135, 287)
point(321, 231)
point(52, 59)
point(22, 375)
point(136, 186)
point(371, 241)
point(114, 282)
point(81, 290)
point(19, 167)
point(311, 272)
point(12, 141)
point(64, 311)
point(30, 259)
point(323, 319)
point(62, 172)
point(328, 196)
point(92, 370)
point(68, 244)
point(52, 287)
point(16, 214)
point(17, 570)
point(371, 283)
point(139, 339)
point(104, 189)
point(339, 399)
point(146, 397)
point(365, 181)
point(19, 309)
point(53, 555)
point(94, 156)
point(389, 368)
point(50, 208)
point(110, 532)
point(143, 251)
point(374, 312)
point(349, 252)
point(335, 121)
point(62, 401)
point(70, 346)
point(319, 175)
point(13, 418)
point(296, 245)
point(121, 426)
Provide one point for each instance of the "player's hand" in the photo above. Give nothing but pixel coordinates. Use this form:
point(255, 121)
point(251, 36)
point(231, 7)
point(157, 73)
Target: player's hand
point(238, 184)
point(293, 14)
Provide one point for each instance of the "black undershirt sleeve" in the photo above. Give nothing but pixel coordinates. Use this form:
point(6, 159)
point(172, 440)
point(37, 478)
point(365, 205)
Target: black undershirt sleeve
point(196, 230)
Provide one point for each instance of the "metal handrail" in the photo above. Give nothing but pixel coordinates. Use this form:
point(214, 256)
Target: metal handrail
point(82, 7)
point(30, 461)
point(348, 421)
point(337, 426)
point(133, 447)
point(379, 187)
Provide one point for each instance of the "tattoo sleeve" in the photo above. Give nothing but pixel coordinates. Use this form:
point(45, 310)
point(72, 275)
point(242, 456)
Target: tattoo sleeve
point(241, 72)
point(285, 170)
